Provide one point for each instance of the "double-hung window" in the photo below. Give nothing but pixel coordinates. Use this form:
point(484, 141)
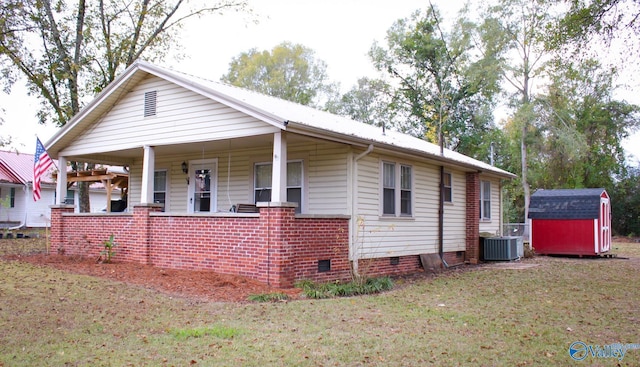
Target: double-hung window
point(485, 200)
point(160, 187)
point(262, 183)
point(397, 189)
point(448, 188)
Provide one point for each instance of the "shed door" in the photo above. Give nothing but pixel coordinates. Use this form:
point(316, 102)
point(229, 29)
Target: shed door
point(605, 224)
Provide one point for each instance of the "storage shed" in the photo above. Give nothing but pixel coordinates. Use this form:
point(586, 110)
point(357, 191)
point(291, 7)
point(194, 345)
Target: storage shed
point(570, 222)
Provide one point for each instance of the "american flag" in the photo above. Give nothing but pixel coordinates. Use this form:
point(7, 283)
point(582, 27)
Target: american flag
point(41, 163)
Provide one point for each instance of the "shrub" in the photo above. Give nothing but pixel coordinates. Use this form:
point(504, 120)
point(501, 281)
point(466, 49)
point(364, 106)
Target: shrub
point(108, 251)
point(339, 289)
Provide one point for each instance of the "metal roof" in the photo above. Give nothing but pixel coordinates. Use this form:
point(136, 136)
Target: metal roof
point(566, 204)
point(17, 168)
point(283, 114)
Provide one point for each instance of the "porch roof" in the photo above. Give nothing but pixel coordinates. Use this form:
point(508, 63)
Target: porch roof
point(282, 114)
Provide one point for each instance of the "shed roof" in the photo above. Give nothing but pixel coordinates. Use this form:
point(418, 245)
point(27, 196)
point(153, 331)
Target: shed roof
point(566, 204)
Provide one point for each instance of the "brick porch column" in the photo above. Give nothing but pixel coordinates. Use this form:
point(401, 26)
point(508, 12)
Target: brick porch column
point(473, 217)
point(57, 225)
point(141, 247)
point(277, 226)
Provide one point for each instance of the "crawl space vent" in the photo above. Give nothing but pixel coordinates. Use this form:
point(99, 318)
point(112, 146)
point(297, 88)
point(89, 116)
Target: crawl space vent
point(324, 266)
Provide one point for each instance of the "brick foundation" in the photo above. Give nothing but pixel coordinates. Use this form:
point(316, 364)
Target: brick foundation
point(275, 246)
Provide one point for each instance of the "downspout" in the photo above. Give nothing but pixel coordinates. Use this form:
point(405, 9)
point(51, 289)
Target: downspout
point(441, 219)
point(354, 219)
point(26, 202)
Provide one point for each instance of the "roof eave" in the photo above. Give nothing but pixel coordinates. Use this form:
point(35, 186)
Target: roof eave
point(362, 142)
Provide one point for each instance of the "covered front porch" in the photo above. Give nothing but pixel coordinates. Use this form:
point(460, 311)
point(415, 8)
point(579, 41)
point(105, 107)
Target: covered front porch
point(184, 203)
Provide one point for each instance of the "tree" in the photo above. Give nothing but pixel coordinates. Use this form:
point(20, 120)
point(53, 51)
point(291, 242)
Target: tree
point(368, 101)
point(588, 126)
point(521, 25)
point(625, 197)
point(4, 140)
point(68, 51)
point(598, 20)
point(445, 81)
point(288, 71)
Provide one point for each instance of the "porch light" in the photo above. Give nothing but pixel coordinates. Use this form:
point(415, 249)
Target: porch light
point(184, 167)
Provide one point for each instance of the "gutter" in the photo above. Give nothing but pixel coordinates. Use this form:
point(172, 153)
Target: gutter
point(354, 219)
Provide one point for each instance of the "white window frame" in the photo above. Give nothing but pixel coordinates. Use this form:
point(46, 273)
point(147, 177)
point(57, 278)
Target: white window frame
point(445, 187)
point(302, 186)
point(397, 188)
point(166, 187)
point(484, 216)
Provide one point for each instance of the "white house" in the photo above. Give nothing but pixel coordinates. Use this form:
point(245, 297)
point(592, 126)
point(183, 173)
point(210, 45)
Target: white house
point(341, 194)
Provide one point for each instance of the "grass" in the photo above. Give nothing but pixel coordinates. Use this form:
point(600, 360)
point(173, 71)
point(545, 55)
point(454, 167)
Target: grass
point(216, 331)
point(268, 297)
point(481, 317)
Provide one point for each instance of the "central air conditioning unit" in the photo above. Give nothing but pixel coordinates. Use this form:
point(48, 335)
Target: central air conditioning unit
point(503, 248)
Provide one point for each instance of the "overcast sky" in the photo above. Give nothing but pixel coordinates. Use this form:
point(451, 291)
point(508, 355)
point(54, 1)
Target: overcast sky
point(339, 31)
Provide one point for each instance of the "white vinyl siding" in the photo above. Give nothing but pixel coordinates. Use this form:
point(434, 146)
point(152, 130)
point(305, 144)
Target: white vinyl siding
point(383, 236)
point(325, 170)
point(181, 117)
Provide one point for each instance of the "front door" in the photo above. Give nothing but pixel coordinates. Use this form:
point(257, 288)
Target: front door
point(202, 185)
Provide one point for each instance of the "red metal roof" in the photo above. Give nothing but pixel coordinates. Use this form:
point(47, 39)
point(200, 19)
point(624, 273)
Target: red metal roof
point(18, 168)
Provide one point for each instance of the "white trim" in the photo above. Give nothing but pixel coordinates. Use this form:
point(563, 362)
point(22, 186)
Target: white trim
point(211, 163)
point(596, 234)
point(279, 168)
point(166, 185)
point(450, 186)
point(483, 215)
point(148, 167)
point(61, 185)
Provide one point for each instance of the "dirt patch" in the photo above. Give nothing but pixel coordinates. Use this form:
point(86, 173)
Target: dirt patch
point(199, 285)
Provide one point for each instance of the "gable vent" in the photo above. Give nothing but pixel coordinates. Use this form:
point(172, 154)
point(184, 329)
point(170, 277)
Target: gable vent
point(150, 102)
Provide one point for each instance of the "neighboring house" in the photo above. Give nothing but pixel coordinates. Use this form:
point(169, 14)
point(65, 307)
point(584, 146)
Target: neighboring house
point(16, 188)
point(332, 193)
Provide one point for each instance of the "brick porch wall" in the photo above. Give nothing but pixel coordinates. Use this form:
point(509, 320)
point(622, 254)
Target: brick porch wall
point(273, 247)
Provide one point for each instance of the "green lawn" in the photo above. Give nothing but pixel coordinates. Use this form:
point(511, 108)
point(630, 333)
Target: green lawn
point(483, 316)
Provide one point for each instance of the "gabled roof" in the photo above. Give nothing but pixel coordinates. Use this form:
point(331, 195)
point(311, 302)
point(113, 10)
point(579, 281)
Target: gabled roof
point(566, 204)
point(283, 114)
point(17, 168)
